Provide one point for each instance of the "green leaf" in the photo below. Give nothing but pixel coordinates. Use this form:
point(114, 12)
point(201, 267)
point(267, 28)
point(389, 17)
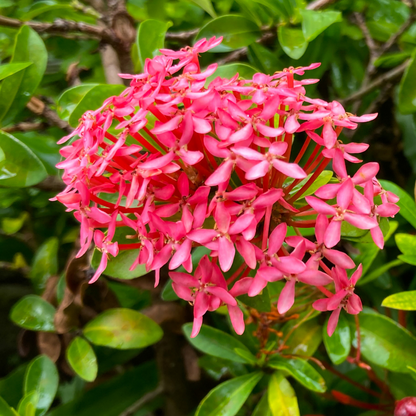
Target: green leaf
point(13, 225)
point(407, 89)
point(338, 346)
point(228, 71)
point(27, 406)
point(292, 41)
point(114, 396)
point(263, 408)
point(16, 90)
point(45, 263)
point(34, 313)
point(323, 178)
point(9, 69)
point(151, 38)
point(282, 397)
point(382, 269)
point(237, 32)
point(214, 342)
point(261, 302)
point(70, 98)
point(168, 293)
point(93, 99)
point(406, 243)
point(227, 398)
point(81, 357)
point(6, 410)
point(21, 166)
point(384, 342)
point(390, 60)
point(263, 58)
point(406, 203)
point(315, 22)
point(119, 267)
point(122, 329)
point(300, 370)
point(218, 367)
point(405, 301)
point(207, 6)
point(42, 377)
point(408, 258)
point(305, 340)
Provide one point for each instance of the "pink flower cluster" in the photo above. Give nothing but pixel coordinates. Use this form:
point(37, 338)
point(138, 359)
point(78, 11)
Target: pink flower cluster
point(184, 159)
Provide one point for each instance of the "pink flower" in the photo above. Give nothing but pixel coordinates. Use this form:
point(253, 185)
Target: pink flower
point(343, 298)
point(180, 162)
point(207, 290)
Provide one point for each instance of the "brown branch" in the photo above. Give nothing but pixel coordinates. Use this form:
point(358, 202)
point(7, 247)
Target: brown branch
point(61, 26)
point(24, 126)
point(35, 105)
point(393, 38)
point(378, 82)
point(182, 36)
point(319, 4)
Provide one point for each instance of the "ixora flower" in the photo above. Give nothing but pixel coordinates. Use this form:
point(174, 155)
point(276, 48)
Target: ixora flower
point(223, 164)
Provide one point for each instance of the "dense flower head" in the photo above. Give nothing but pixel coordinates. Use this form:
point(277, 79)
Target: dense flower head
point(183, 159)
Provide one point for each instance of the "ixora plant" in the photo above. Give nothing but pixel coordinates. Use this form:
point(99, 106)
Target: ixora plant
point(184, 159)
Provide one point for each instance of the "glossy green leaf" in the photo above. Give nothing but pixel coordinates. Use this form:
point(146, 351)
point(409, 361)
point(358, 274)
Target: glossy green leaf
point(315, 22)
point(227, 398)
point(405, 301)
point(93, 99)
point(261, 302)
point(207, 6)
point(406, 243)
point(407, 89)
point(228, 71)
point(42, 377)
point(16, 90)
point(390, 60)
point(34, 313)
point(214, 342)
point(122, 329)
point(13, 225)
point(70, 98)
point(292, 41)
point(9, 69)
point(27, 406)
point(21, 166)
point(218, 367)
point(384, 342)
point(237, 32)
point(300, 370)
point(305, 340)
point(6, 410)
point(82, 359)
point(323, 178)
point(45, 263)
point(263, 58)
point(408, 258)
point(338, 346)
point(151, 38)
point(168, 293)
point(374, 274)
point(406, 203)
point(119, 267)
point(112, 397)
point(282, 397)
point(45, 7)
point(263, 408)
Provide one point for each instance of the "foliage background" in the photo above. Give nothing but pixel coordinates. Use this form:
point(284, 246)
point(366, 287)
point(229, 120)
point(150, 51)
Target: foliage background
point(73, 52)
